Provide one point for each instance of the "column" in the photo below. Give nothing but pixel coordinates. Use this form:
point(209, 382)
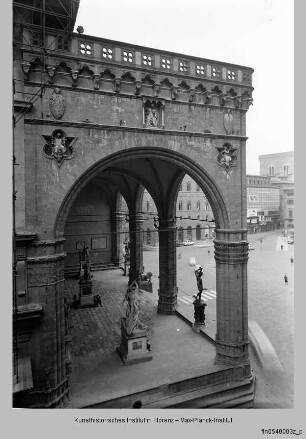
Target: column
point(136, 238)
point(167, 293)
point(45, 286)
point(231, 255)
point(117, 237)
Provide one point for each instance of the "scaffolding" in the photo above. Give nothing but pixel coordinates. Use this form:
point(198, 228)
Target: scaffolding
point(38, 17)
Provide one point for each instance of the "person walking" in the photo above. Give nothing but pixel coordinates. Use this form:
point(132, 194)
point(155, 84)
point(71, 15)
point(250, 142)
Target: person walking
point(282, 247)
point(291, 260)
point(286, 279)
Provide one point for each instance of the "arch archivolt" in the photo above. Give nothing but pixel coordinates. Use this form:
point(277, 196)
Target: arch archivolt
point(147, 166)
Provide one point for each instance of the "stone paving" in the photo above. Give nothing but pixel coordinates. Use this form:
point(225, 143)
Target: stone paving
point(95, 331)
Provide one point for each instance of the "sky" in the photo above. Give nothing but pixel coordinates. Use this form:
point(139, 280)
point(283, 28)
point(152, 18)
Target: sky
point(252, 33)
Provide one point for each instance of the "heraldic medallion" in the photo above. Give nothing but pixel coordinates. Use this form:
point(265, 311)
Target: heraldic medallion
point(59, 147)
point(57, 104)
point(227, 156)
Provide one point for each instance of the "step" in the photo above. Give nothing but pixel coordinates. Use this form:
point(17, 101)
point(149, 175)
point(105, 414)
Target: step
point(191, 393)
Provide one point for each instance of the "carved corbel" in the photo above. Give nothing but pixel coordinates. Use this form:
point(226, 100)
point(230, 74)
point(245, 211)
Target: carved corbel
point(174, 92)
point(96, 82)
point(247, 102)
point(137, 87)
point(51, 72)
point(191, 95)
point(74, 74)
point(207, 95)
point(237, 101)
point(156, 88)
point(26, 67)
point(222, 98)
point(117, 85)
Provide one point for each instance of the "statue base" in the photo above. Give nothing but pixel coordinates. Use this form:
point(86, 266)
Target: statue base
point(86, 298)
point(145, 285)
point(133, 348)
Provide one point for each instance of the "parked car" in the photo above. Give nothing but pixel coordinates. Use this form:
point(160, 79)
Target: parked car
point(290, 240)
point(251, 247)
point(188, 242)
point(179, 243)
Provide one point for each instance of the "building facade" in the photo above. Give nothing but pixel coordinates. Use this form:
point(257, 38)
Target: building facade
point(194, 216)
point(263, 204)
point(95, 123)
point(280, 167)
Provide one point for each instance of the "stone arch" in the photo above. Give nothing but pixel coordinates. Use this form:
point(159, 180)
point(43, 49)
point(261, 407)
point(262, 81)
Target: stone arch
point(184, 164)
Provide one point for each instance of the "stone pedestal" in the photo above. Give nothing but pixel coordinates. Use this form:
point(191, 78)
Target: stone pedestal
point(86, 297)
point(133, 348)
point(146, 285)
point(199, 314)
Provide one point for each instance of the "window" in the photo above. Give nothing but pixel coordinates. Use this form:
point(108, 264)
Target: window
point(180, 205)
point(85, 49)
point(290, 202)
point(271, 170)
point(189, 233)
point(106, 52)
point(231, 75)
point(62, 43)
point(216, 72)
point(206, 206)
point(290, 213)
point(188, 205)
point(198, 188)
point(166, 63)
point(286, 169)
point(200, 69)
point(181, 187)
point(127, 56)
point(188, 186)
point(148, 206)
point(183, 66)
point(198, 205)
point(147, 60)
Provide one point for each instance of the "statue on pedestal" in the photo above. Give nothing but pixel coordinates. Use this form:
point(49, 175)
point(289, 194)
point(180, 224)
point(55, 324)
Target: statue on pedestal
point(199, 304)
point(199, 274)
point(132, 321)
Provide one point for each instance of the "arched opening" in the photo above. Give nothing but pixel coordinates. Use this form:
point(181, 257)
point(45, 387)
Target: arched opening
point(198, 232)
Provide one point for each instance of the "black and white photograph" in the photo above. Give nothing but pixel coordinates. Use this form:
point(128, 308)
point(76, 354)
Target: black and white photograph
point(153, 218)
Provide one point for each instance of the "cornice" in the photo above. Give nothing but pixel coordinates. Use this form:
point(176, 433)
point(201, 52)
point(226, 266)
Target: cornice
point(162, 132)
point(153, 71)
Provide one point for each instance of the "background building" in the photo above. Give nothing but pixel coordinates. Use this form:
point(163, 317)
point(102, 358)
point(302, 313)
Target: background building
point(263, 204)
point(194, 217)
point(280, 167)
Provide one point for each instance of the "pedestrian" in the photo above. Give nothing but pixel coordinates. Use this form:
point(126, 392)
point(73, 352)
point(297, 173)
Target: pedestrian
point(282, 247)
point(286, 280)
point(291, 260)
